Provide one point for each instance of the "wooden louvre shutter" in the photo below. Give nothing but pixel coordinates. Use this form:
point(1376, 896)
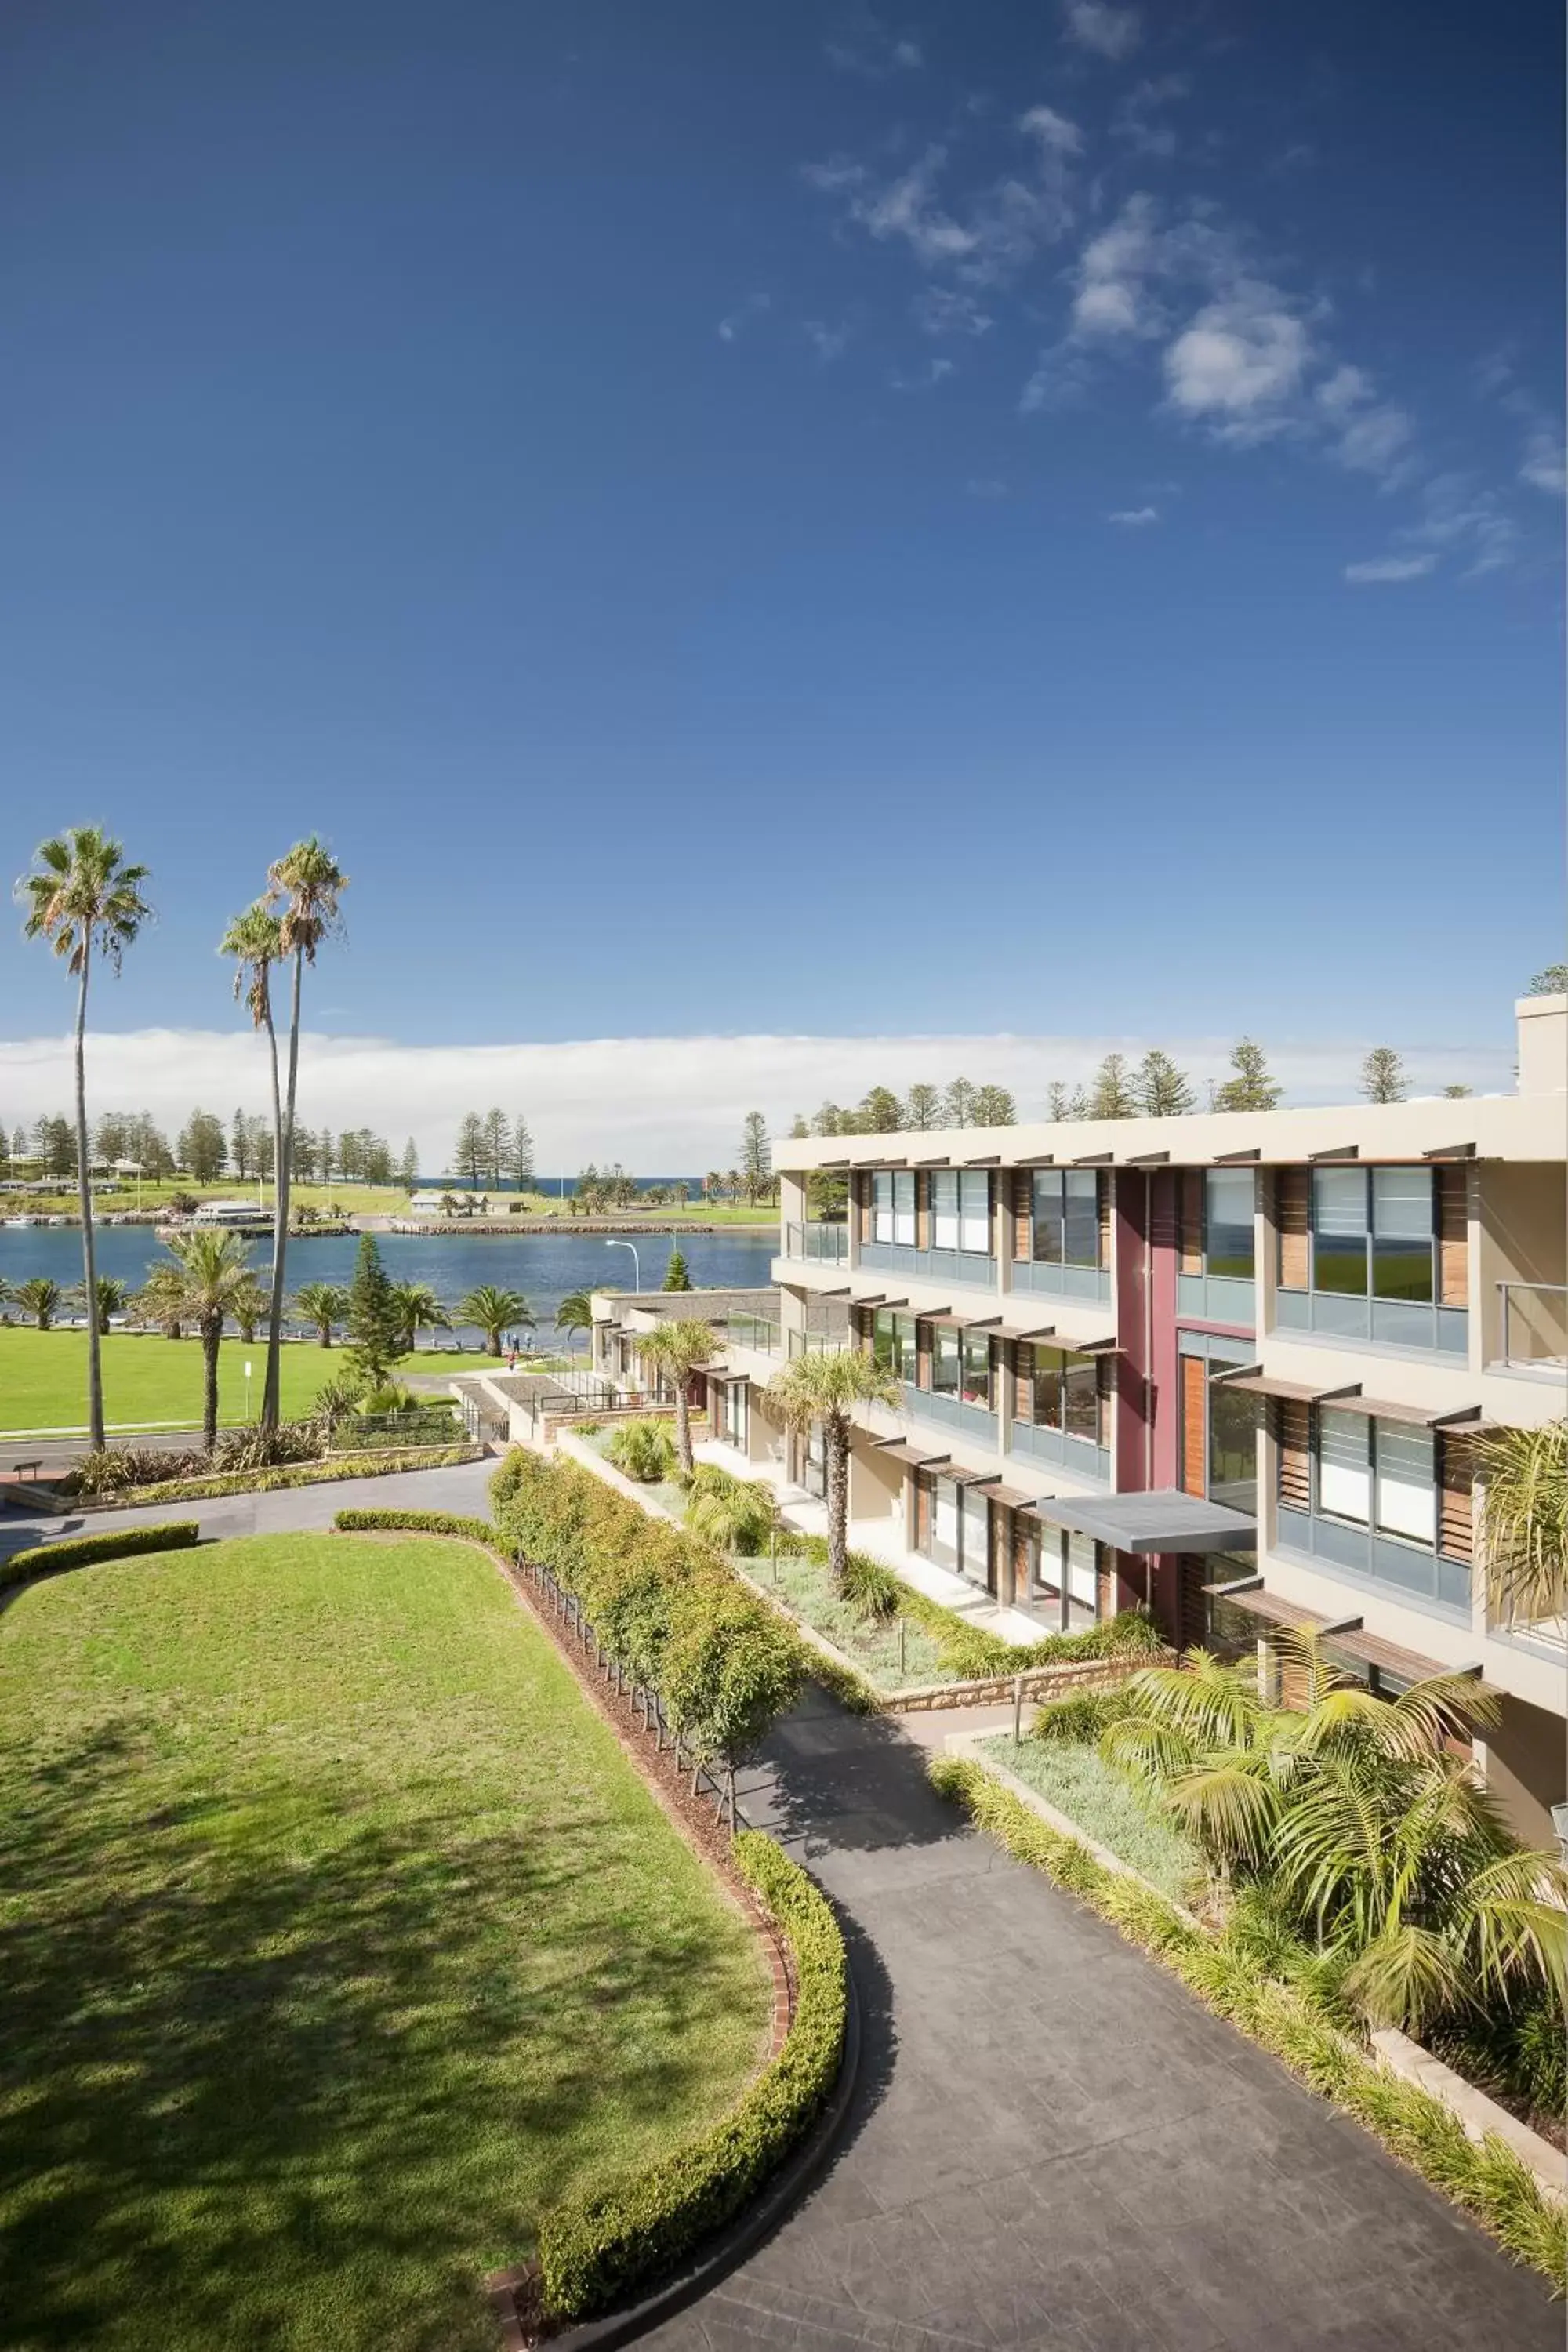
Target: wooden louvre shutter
point(1194, 1431)
point(1023, 1381)
point(1020, 1593)
point(1453, 1237)
point(923, 1510)
point(1104, 1582)
point(1102, 1208)
point(1456, 1497)
point(1292, 1210)
point(1293, 1438)
point(922, 1355)
point(1023, 1214)
point(1105, 1395)
point(1190, 1212)
point(922, 1209)
point(865, 1194)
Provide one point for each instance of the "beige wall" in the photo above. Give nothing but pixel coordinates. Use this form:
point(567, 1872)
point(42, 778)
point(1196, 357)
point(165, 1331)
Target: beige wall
point(1527, 1770)
point(1523, 1237)
point(876, 1484)
point(1542, 1032)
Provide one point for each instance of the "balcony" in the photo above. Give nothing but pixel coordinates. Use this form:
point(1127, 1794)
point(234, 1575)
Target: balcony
point(1218, 1299)
point(970, 1269)
point(1533, 1327)
point(817, 1243)
point(973, 1421)
point(1376, 1322)
point(817, 1343)
point(758, 1332)
point(1051, 1279)
point(1061, 1449)
point(1414, 1571)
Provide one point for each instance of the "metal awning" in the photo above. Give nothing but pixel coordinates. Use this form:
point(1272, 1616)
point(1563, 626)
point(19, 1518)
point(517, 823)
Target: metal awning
point(988, 1160)
point(1111, 1347)
point(1012, 1498)
point(943, 1160)
point(723, 1372)
point(1421, 1416)
point(1168, 1521)
point(962, 1477)
point(1040, 1331)
point(896, 1449)
point(1257, 1382)
point(1408, 1665)
point(1249, 1595)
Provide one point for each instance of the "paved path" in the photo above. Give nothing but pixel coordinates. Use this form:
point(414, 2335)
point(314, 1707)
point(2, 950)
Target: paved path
point(1054, 2145)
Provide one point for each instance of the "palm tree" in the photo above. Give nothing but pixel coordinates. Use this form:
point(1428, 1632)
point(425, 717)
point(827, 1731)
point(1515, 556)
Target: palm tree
point(112, 1295)
point(419, 1305)
point(211, 1271)
point(1524, 1520)
point(574, 1314)
point(82, 895)
point(822, 1392)
point(247, 1306)
point(731, 1514)
point(323, 1304)
point(307, 884)
point(254, 940)
point(162, 1301)
point(491, 1310)
point(39, 1298)
point(448, 1204)
point(1354, 1815)
point(676, 1350)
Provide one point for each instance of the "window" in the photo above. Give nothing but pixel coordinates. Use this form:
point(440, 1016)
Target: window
point(882, 1205)
point(961, 1210)
point(944, 1523)
point(893, 1205)
point(1232, 1442)
point(945, 1360)
point(1067, 1393)
point(975, 1563)
point(1227, 1219)
point(1373, 1232)
point(1345, 1470)
point(1066, 1216)
point(1059, 1580)
point(976, 1367)
point(893, 1344)
point(1082, 1583)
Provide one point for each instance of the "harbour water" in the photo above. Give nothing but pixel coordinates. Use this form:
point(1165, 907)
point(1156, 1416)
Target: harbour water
point(543, 1266)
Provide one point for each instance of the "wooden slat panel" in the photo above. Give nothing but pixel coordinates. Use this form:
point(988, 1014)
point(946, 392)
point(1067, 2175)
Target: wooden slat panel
point(1194, 1435)
point(1455, 1500)
point(923, 1511)
point(1190, 1213)
point(1023, 1381)
point(1023, 1214)
point(922, 1208)
point(1104, 1582)
point(1292, 1424)
point(1102, 1190)
point(1453, 1237)
point(1292, 1210)
point(865, 1193)
point(922, 1355)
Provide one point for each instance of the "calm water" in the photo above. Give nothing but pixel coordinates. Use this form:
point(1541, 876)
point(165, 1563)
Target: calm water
point(543, 1266)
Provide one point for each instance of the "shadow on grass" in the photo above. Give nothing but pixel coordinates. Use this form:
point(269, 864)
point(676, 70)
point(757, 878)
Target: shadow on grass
point(251, 2091)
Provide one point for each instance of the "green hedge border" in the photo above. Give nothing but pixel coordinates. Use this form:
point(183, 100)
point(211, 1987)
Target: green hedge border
point(84, 1551)
point(594, 2250)
point(1494, 2184)
point(222, 1484)
point(422, 1523)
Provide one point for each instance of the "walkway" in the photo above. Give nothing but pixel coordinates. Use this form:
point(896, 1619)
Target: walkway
point(1054, 2145)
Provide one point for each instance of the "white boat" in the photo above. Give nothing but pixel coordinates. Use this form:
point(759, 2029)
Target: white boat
point(233, 1217)
point(24, 1220)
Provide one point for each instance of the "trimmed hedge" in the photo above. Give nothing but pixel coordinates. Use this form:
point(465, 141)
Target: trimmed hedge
point(595, 2249)
point(83, 1551)
point(310, 1474)
point(421, 1523)
point(1486, 2178)
point(669, 1611)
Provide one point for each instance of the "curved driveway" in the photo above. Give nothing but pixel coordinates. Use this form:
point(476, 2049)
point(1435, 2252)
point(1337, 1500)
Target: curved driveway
point(1052, 2143)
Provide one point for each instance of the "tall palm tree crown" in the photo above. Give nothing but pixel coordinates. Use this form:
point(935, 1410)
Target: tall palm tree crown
point(575, 1313)
point(822, 1392)
point(677, 1349)
point(323, 1304)
point(419, 1307)
point(82, 895)
point(491, 1310)
point(209, 1280)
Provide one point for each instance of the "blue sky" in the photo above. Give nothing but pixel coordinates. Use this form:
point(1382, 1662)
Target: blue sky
point(674, 493)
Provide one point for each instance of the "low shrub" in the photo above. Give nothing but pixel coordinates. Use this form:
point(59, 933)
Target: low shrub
point(1080, 1718)
point(1519, 2056)
point(871, 1586)
point(737, 1515)
point(310, 1474)
point(644, 1450)
point(1229, 1977)
point(117, 1469)
point(671, 1612)
point(586, 1428)
point(83, 1551)
point(595, 2249)
point(421, 1523)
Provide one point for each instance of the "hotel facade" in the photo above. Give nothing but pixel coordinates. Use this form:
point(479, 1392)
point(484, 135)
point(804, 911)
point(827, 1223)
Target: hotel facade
point(1232, 1367)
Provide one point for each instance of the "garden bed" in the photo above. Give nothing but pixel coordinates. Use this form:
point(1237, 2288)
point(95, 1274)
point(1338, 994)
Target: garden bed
point(1107, 1808)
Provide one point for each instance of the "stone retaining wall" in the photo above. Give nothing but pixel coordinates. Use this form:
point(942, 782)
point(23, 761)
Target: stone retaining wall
point(1041, 1683)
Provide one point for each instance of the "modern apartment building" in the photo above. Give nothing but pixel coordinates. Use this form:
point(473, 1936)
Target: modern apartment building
point(1233, 1366)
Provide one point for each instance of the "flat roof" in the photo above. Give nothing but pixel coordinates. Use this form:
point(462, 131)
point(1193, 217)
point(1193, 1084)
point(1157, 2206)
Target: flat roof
point(1166, 1520)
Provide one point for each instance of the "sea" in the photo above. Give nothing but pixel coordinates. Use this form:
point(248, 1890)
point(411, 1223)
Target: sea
point(543, 1266)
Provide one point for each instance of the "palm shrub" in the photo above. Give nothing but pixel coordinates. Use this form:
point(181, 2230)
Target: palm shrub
point(39, 1299)
point(420, 1309)
point(205, 1275)
point(732, 1514)
point(676, 1350)
point(113, 1296)
point(822, 1392)
point(491, 1311)
point(1524, 1521)
point(323, 1305)
point(870, 1586)
point(644, 1450)
point(574, 1314)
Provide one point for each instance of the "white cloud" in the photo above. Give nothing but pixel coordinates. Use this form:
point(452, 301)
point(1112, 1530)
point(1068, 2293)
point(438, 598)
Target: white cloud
point(828, 342)
point(999, 229)
point(1137, 120)
point(1388, 569)
point(1239, 365)
point(1369, 435)
point(949, 310)
point(1134, 518)
point(670, 1105)
point(1543, 465)
point(985, 486)
point(1109, 32)
point(752, 308)
point(865, 45)
point(1056, 134)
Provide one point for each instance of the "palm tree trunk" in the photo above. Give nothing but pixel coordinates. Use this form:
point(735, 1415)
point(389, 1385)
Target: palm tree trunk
point(683, 1424)
point(836, 1445)
point(84, 1196)
point(271, 1379)
point(282, 1179)
point(211, 1334)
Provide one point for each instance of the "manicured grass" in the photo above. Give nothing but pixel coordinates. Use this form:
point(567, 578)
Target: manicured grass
point(339, 1939)
point(1078, 1781)
point(146, 1378)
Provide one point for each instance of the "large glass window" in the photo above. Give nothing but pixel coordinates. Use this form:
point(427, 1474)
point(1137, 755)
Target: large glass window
point(1227, 1238)
point(1402, 1232)
point(977, 1369)
point(904, 1206)
point(974, 1209)
point(1066, 1216)
point(1057, 1580)
point(1373, 1232)
point(975, 1563)
point(1067, 1393)
point(1233, 1444)
point(1345, 1466)
point(944, 1522)
point(945, 1360)
point(1404, 1460)
point(893, 1344)
point(1083, 1586)
point(944, 1209)
point(882, 1205)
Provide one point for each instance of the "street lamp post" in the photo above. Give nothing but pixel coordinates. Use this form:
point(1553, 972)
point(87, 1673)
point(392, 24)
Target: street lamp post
point(636, 1266)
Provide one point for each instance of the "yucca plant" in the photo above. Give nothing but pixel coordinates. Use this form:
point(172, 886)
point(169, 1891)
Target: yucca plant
point(731, 1514)
point(1524, 1520)
point(644, 1449)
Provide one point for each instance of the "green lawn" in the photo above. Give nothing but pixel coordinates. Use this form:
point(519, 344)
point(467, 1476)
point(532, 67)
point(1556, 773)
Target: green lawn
point(149, 1379)
point(338, 1938)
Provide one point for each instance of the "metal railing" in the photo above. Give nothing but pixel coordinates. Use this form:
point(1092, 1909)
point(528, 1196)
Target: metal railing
point(817, 1243)
point(818, 1343)
point(759, 1333)
point(1534, 1323)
